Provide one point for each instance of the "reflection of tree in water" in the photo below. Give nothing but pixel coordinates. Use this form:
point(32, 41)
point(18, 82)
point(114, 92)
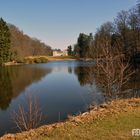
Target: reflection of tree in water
point(130, 89)
point(5, 88)
point(70, 70)
point(134, 84)
point(13, 80)
point(85, 75)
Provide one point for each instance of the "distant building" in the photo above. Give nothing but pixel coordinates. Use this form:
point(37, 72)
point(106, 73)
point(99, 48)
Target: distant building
point(60, 53)
point(65, 53)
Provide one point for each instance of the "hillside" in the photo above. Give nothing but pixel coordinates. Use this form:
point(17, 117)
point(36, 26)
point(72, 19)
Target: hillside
point(23, 45)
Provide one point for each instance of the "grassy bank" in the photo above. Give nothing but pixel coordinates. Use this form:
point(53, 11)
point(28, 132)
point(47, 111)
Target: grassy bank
point(39, 59)
point(111, 121)
point(53, 58)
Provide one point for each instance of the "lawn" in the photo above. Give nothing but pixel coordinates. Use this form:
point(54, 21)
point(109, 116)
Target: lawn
point(109, 128)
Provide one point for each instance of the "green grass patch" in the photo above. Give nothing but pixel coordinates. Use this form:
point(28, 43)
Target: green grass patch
point(109, 128)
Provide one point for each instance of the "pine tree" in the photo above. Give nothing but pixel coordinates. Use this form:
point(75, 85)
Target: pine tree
point(69, 49)
point(4, 42)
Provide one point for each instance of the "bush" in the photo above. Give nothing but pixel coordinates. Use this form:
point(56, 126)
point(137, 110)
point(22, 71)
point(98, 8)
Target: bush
point(29, 117)
point(43, 60)
point(29, 61)
point(20, 60)
point(32, 60)
point(37, 60)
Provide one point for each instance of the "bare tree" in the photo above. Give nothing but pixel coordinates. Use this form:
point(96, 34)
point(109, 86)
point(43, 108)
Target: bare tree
point(28, 118)
point(112, 72)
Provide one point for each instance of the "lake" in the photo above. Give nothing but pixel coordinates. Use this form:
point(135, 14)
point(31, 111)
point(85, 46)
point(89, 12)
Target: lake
point(62, 88)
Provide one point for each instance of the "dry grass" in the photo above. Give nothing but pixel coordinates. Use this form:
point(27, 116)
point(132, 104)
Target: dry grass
point(53, 57)
point(50, 58)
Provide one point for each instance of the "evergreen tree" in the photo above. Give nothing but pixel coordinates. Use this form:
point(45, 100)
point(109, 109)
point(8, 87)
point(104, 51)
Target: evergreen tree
point(84, 43)
point(69, 49)
point(4, 42)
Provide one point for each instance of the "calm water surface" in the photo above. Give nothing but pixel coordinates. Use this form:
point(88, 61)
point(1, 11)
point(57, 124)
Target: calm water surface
point(62, 88)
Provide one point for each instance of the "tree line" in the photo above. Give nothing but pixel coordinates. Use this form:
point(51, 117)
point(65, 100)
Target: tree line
point(123, 33)
point(14, 44)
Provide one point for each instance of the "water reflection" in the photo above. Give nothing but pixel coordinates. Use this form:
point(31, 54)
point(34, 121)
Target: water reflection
point(89, 76)
point(63, 88)
point(6, 93)
point(70, 70)
point(14, 80)
point(85, 75)
point(133, 86)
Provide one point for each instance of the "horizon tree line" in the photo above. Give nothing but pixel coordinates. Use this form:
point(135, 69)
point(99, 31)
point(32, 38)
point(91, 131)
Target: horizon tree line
point(123, 33)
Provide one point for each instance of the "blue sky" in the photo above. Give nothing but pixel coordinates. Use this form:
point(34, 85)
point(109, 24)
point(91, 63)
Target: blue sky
point(59, 22)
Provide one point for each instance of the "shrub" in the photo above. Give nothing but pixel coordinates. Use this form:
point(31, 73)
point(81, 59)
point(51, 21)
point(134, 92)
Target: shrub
point(29, 61)
point(20, 60)
point(37, 60)
point(43, 60)
point(29, 117)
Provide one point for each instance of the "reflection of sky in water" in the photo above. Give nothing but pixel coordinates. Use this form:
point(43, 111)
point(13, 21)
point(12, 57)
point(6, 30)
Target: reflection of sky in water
point(59, 92)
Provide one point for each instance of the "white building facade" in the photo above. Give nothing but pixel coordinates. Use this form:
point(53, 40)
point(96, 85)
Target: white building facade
point(60, 53)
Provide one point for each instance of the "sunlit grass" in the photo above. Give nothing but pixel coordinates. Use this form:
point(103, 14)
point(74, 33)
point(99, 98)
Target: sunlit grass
point(112, 121)
point(61, 57)
point(111, 127)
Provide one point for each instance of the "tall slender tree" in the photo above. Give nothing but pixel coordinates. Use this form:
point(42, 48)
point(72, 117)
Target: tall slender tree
point(69, 49)
point(4, 42)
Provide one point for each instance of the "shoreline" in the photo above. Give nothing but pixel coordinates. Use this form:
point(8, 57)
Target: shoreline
point(100, 112)
point(14, 63)
point(30, 60)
